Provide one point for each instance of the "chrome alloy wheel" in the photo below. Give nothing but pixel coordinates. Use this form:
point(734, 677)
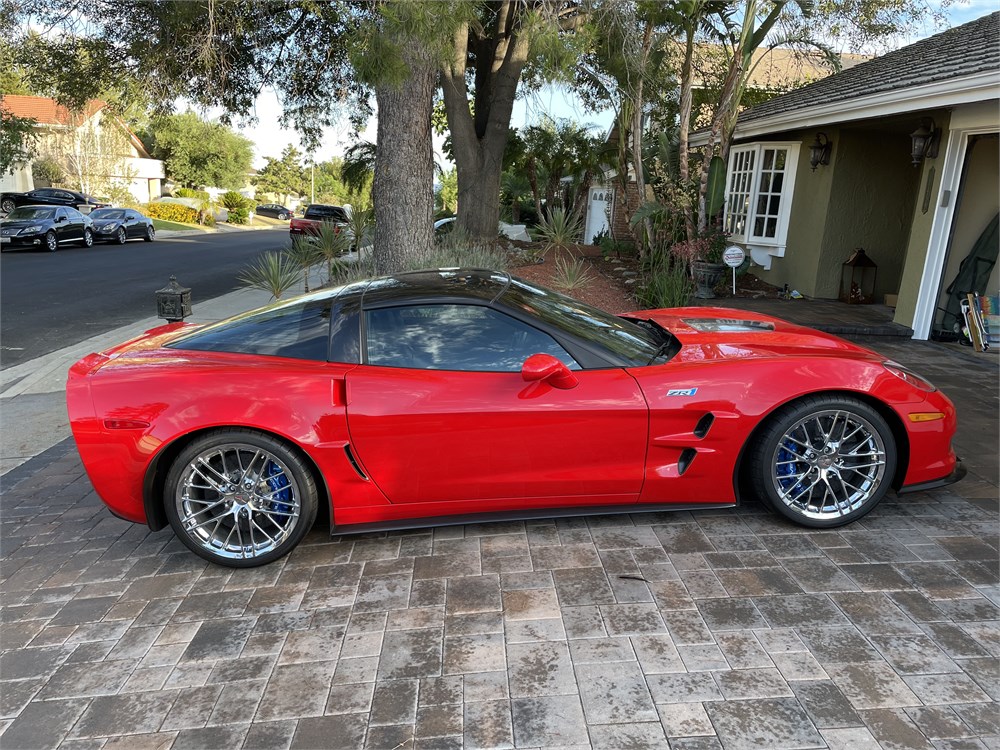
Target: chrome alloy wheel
point(828, 464)
point(238, 501)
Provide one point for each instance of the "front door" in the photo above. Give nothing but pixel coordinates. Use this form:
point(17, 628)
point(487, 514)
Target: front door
point(440, 412)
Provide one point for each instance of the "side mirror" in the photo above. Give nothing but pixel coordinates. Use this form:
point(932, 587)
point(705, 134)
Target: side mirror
point(60, 218)
point(545, 367)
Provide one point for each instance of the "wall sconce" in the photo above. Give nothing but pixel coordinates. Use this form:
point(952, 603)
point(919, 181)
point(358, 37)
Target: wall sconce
point(819, 152)
point(925, 139)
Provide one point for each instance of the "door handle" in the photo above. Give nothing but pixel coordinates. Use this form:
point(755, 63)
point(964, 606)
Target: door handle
point(338, 392)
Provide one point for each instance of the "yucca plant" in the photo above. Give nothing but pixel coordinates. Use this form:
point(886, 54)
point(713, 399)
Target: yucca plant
point(305, 255)
point(361, 220)
point(559, 229)
point(274, 272)
point(665, 283)
point(332, 241)
point(570, 274)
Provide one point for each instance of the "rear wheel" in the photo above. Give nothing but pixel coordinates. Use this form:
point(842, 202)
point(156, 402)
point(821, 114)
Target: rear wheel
point(150, 234)
point(7, 205)
point(240, 498)
point(824, 461)
point(88, 239)
point(283, 217)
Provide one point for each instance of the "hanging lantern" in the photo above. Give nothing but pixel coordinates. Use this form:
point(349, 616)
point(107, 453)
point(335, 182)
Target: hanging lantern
point(857, 279)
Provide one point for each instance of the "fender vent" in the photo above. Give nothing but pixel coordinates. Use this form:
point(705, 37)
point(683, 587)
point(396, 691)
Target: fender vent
point(687, 456)
point(704, 425)
point(354, 462)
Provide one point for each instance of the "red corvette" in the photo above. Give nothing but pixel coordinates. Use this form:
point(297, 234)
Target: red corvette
point(435, 397)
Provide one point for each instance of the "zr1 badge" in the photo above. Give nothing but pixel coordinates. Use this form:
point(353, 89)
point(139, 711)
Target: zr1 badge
point(682, 391)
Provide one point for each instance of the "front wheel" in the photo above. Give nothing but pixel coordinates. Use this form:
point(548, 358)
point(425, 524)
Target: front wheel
point(824, 461)
point(240, 498)
point(88, 239)
point(51, 242)
point(150, 234)
point(121, 236)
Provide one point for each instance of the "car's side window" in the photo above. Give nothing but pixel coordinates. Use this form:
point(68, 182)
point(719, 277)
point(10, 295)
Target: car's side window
point(469, 338)
point(63, 196)
point(300, 331)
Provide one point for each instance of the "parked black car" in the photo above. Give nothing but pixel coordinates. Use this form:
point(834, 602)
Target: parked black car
point(49, 197)
point(121, 224)
point(275, 210)
point(45, 228)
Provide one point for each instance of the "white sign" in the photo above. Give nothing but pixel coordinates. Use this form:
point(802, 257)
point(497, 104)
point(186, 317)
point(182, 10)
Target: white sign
point(734, 256)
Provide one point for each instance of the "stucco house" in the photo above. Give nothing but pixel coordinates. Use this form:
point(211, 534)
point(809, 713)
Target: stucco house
point(909, 173)
point(96, 149)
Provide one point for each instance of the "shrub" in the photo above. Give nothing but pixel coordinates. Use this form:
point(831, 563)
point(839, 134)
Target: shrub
point(570, 274)
point(273, 272)
point(666, 282)
point(172, 212)
point(560, 229)
point(47, 169)
point(201, 195)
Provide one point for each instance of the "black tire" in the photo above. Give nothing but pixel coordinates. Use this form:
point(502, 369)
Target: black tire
point(88, 239)
point(283, 217)
point(835, 445)
point(7, 205)
point(51, 241)
point(255, 500)
point(150, 234)
point(121, 236)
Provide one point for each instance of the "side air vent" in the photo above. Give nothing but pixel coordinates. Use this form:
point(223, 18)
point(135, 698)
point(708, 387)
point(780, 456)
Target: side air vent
point(687, 456)
point(704, 425)
point(354, 462)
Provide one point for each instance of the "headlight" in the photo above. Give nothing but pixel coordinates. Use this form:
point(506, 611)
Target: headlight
point(910, 377)
point(32, 229)
point(108, 227)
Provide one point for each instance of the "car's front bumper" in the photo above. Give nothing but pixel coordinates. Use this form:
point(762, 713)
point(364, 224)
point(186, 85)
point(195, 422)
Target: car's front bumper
point(22, 241)
point(956, 475)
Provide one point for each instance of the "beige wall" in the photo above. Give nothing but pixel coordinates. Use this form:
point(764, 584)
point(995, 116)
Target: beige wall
point(871, 206)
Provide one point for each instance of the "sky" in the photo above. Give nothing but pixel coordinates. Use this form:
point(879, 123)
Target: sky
point(270, 138)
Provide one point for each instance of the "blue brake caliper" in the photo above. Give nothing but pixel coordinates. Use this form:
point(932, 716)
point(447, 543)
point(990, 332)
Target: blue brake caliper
point(279, 485)
point(786, 471)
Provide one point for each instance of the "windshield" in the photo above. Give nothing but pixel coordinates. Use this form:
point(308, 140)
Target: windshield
point(634, 344)
point(107, 213)
point(31, 212)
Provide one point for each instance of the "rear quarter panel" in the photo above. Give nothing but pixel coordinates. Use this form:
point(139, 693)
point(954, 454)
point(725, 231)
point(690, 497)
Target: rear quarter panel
point(182, 393)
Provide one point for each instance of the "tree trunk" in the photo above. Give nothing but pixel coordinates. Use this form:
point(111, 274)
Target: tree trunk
point(728, 100)
point(403, 188)
point(685, 126)
point(637, 107)
point(479, 141)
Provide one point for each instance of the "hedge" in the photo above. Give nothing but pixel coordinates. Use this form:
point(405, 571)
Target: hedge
point(172, 212)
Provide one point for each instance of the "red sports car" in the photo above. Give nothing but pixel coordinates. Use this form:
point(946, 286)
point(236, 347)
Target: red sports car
point(436, 397)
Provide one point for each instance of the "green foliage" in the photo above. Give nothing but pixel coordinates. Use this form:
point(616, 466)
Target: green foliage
point(331, 242)
point(305, 255)
point(47, 170)
point(273, 272)
point(570, 274)
point(715, 193)
point(284, 176)
point(196, 152)
point(238, 206)
point(359, 223)
point(184, 192)
point(18, 141)
point(559, 229)
point(666, 282)
point(172, 212)
point(359, 166)
point(119, 195)
point(447, 193)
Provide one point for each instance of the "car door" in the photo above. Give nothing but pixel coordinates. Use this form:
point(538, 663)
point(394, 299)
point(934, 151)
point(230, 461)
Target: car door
point(439, 411)
point(40, 197)
point(133, 228)
point(64, 228)
point(77, 221)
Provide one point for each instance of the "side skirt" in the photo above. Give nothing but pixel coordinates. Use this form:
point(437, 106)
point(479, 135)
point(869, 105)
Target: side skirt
point(519, 515)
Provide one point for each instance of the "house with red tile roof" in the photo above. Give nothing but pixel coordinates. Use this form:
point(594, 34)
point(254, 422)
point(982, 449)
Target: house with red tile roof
point(95, 148)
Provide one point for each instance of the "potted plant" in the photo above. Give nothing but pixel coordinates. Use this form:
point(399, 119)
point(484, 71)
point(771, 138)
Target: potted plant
point(703, 256)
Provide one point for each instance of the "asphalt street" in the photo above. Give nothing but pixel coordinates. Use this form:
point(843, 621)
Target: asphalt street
point(49, 301)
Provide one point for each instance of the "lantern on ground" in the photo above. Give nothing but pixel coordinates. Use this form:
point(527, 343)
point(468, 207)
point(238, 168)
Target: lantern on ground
point(857, 279)
point(173, 302)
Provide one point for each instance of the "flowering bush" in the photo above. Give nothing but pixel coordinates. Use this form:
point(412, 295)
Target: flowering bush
point(172, 212)
point(707, 248)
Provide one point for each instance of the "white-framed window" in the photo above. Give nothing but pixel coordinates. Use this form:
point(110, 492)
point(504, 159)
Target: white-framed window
point(759, 185)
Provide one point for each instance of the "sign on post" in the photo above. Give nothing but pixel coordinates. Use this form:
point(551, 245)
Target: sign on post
point(733, 256)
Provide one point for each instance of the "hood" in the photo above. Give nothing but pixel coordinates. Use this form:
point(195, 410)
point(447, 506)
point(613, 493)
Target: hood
point(707, 333)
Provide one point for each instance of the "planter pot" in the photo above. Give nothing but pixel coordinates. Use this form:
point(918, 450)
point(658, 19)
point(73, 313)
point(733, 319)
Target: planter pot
point(706, 276)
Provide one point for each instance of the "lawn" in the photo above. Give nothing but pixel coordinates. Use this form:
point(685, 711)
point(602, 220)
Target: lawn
point(159, 224)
